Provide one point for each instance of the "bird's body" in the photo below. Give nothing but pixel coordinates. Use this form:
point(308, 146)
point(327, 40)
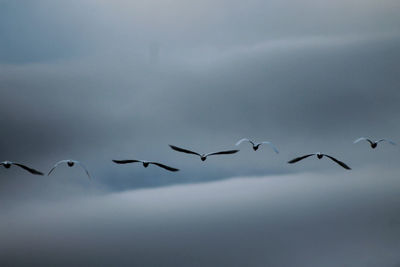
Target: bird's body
point(146, 164)
point(257, 145)
point(320, 156)
point(373, 143)
point(70, 163)
point(7, 164)
point(204, 156)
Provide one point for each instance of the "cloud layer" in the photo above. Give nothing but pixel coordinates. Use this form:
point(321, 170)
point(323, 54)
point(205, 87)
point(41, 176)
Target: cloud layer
point(289, 220)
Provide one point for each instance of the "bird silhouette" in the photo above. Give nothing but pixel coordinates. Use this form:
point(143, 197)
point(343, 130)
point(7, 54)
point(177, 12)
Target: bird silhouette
point(146, 164)
point(203, 157)
point(257, 145)
point(70, 163)
point(7, 164)
point(373, 144)
point(320, 156)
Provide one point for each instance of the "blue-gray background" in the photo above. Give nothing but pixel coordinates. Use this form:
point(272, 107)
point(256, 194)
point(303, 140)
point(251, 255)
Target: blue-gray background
point(98, 80)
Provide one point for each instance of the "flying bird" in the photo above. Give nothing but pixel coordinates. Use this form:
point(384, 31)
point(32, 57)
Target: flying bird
point(203, 157)
point(320, 156)
point(373, 143)
point(146, 164)
point(70, 163)
point(7, 165)
point(257, 145)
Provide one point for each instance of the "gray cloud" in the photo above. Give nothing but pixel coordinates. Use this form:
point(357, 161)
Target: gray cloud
point(305, 95)
point(291, 220)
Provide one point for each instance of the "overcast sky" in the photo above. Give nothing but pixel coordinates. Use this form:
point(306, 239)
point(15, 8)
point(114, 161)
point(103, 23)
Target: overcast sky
point(100, 80)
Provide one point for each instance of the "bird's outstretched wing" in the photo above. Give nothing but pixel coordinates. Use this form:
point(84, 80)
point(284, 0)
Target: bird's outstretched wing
point(165, 166)
point(387, 140)
point(83, 167)
point(222, 152)
point(271, 145)
point(244, 140)
point(362, 139)
point(184, 150)
point(55, 165)
point(338, 162)
point(125, 161)
point(33, 171)
point(299, 158)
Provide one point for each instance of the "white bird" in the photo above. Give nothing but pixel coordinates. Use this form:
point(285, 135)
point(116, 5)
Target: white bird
point(7, 164)
point(70, 163)
point(257, 145)
point(373, 143)
point(320, 156)
point(203, 157)
point(146, 164)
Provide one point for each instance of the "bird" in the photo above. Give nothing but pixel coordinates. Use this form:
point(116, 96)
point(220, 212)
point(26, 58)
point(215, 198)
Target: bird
point(320, 156)
point(146, 164)
point(7, 165)
point(70, 163)
point(373, 144)
point(257, 145)
point(203, 157)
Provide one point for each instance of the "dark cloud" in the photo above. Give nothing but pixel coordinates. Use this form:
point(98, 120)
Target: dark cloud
point(315, 94)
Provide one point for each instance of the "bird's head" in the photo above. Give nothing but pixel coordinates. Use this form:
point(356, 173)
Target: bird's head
point(145, 164)
point(255, 147)
point(374, 144)
point(203, 157)
point(70, 163)
point(7, 164)
point(320, 155)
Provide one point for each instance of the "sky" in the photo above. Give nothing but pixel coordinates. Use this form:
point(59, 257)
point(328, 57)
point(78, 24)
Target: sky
point(101, 80)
